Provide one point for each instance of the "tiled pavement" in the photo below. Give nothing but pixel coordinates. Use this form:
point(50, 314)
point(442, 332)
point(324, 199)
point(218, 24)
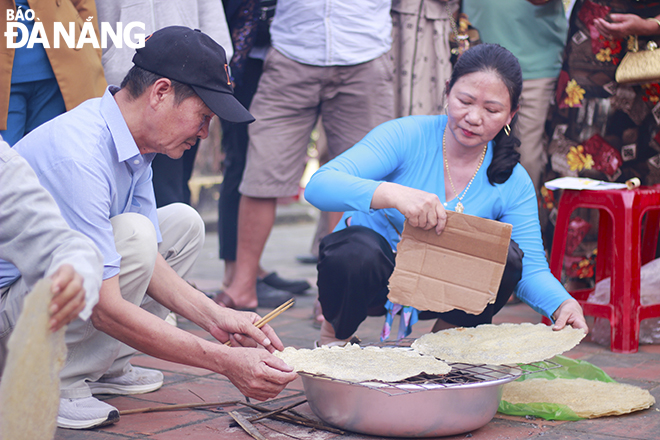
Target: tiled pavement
point(192, 385)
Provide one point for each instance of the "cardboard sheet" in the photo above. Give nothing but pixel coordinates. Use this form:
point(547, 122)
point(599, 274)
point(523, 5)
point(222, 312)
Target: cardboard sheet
point(459, 269)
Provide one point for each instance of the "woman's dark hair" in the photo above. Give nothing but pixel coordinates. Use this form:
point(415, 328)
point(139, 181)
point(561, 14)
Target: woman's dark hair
point(137, 80)
point(494, 58)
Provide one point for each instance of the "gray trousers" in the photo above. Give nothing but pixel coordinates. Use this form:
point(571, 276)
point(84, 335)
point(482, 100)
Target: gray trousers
point(92, 353)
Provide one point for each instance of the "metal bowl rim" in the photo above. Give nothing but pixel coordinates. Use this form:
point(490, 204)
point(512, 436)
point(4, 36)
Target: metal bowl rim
point(411, 386)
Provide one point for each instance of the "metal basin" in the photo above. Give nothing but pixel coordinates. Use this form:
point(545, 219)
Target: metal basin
point(405, 410)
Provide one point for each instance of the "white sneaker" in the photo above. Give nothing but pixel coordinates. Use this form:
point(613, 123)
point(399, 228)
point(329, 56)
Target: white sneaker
point(136, 380)
point(84, 413)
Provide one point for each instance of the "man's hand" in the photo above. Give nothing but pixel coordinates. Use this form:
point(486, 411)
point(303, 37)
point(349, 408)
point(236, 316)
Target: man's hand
point(257, 373)
point(68, 296)
point(239, 327)
point(570, 312)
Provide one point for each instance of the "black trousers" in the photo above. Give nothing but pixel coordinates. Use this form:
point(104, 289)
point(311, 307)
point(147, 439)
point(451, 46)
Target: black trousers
point(171, 176)
point(354, 267)
point(235, 144)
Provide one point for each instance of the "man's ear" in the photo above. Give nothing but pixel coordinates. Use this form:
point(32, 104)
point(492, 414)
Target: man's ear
point(160, 91)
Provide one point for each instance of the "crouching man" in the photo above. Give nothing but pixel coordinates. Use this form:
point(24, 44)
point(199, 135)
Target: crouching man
point(95, 161)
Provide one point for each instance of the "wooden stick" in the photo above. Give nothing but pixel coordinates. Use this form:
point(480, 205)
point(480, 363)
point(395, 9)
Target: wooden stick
point(270, 316)
point(275, 412)
point(247, 426)
point(294, 417)
point(287, 418)
point(174, 407)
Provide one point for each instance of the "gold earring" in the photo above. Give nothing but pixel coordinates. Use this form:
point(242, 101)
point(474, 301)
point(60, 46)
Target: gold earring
point(446, 105)
point(507, 129)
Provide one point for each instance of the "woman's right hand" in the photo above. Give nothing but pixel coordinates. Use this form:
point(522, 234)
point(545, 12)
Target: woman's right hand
point(421, 209)
point(622, 25)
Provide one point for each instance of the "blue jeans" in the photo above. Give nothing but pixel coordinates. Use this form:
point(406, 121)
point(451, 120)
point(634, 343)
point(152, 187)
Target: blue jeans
point(30, 105)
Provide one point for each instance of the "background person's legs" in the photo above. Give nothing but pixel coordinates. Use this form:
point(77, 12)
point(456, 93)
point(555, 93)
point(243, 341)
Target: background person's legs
point(171, 176)
point(235, 145)
point(30, 105)
point(257, 218)
point(534, 106)
point(358, 99)
point(286, 109)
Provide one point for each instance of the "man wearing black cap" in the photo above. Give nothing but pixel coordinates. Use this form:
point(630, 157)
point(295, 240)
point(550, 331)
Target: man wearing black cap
point(95, 161)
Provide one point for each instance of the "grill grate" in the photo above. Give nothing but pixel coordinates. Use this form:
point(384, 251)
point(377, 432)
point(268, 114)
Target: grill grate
point(461, 374)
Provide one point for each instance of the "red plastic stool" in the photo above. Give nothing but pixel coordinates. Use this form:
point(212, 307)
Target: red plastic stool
point(622, 250)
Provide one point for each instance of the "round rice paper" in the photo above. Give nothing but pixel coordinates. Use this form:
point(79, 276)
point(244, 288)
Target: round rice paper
point(587, 398)
point(500, 344)
point(353, 363)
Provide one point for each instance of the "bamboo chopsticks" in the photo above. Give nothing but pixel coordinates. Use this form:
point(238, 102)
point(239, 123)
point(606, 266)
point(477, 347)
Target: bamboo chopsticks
point(270, 316)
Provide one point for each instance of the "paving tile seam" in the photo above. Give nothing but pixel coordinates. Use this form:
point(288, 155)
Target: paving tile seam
point(213, 415)
point(564, 429)
point(101, 431)
point(191, 376)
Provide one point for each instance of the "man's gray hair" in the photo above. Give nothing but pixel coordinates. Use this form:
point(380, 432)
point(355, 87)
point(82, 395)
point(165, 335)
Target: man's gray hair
point(137, 80)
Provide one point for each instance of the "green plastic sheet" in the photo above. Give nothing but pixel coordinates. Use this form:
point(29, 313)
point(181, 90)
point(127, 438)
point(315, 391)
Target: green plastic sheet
point(570, 369)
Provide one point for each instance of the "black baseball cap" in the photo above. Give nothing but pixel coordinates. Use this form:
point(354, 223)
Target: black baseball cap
point(193, 58)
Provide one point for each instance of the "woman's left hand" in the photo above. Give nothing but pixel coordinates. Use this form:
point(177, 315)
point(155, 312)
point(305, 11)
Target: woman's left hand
point(570, 312)
point(622, 25)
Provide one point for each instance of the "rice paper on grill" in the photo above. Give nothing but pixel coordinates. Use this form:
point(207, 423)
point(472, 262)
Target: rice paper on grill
point(500, 344)
point(353, 363)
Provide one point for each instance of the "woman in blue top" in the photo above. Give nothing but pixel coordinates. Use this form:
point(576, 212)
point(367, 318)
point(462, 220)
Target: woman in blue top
point(415, 168)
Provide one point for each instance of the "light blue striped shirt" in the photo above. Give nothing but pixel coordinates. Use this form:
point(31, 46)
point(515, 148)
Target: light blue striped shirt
point(332, 32)
point(87, 159)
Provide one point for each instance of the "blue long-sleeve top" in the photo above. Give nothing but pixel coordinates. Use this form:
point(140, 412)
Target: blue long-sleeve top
point(408, 151)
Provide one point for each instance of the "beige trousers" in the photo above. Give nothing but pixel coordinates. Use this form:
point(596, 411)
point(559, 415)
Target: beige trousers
point(291, 97)
point(534, 106)
point(91, 353)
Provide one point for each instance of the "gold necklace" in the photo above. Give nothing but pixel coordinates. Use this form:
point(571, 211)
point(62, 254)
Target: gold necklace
point(459, 206)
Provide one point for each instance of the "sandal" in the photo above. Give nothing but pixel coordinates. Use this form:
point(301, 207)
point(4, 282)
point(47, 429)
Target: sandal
point(224, 300)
